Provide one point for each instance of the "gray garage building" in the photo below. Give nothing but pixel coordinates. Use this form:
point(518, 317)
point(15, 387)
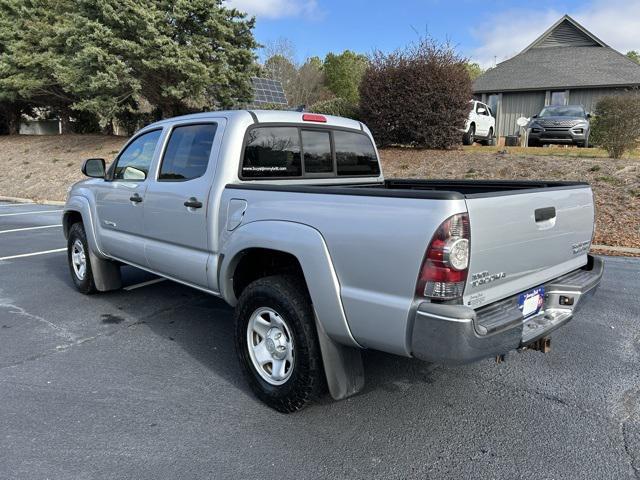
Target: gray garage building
point(566, 65)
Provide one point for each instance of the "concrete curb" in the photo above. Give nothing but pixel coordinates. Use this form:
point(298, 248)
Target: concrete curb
point(632, 250)
point(4, 198)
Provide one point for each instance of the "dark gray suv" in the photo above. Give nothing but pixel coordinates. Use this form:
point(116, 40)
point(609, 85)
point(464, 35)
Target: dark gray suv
point(561, 124)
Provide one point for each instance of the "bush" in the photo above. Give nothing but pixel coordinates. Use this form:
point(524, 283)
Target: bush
point(417, 96)
point(336, 106)
point(616, 126)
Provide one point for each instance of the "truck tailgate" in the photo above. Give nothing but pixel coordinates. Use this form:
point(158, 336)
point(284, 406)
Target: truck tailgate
point(520, 240)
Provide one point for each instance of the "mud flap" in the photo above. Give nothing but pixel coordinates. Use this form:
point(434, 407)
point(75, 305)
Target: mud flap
point(106, 274)
point(342, 366)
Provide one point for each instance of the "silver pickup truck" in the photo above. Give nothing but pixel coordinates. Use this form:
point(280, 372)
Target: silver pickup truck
point(288, 218)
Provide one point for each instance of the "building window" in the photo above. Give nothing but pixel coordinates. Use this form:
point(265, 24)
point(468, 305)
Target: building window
point(492, 101)
point(558, 98)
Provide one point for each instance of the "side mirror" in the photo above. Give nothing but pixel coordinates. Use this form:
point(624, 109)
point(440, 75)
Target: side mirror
point(481, 110)
point(535, 116)
point(588, 115)
point(94, 167)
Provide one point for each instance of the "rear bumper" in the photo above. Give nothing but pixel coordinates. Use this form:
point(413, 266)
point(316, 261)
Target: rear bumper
point(460, 334)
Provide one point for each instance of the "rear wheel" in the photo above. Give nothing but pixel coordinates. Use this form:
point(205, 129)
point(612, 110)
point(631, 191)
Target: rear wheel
point(489, 141)
point(277, 344)
point(78, 259)
point(469, 137)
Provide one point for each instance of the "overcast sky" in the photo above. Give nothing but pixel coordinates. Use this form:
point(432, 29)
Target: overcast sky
point(497, 30)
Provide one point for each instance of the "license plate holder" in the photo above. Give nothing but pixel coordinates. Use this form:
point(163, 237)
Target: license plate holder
point(531, 302)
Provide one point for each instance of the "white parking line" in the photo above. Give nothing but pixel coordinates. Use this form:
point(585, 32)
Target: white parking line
point(22, 255)
point(144, 284)
point(28, 213)
point(28, 228)
point(15, 204)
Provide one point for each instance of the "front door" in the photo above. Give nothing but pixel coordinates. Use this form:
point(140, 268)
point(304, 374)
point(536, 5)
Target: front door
point(177, 204)
point(120, 200)
point(483, 120)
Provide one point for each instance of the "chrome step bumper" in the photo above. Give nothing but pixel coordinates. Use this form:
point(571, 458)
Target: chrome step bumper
point(460, 334)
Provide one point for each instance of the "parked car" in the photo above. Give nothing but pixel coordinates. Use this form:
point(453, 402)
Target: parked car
point(560, 124)
point(480, 126)
point(287, 217)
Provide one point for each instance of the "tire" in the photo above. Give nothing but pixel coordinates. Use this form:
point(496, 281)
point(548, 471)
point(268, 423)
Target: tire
point(533, 143)
point(584, 144)
point(489, 141)
point(276, 312)
point(469, 137)
point(78, 259)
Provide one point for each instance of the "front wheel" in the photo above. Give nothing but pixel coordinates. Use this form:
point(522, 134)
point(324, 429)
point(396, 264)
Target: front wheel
point(469, 136)
point(277, 343)
point(78, 259)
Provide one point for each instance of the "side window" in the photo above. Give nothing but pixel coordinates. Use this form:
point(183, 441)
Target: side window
point(133, 163)
point(316, 147)
point(272, 152)
point(478, 106)
point(355, 154)
point(187, 154)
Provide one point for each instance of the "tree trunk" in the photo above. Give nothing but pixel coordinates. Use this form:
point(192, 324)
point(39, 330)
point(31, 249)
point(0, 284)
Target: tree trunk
point(65, 124)
point(15, 116)
point(108, 128)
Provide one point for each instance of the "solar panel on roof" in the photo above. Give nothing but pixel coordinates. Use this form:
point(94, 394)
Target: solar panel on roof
point(267, 90)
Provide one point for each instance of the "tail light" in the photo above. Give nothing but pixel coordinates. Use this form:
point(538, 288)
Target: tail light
point(446, 264)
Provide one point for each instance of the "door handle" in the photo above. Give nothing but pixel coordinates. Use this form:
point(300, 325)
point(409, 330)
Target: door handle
point(542, 214)
point(193, 203)
point(135, 198)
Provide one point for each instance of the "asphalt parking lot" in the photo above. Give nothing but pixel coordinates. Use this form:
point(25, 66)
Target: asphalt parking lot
point(143, 383)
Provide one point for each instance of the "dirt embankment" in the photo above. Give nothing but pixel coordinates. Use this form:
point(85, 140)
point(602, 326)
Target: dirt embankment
point(43, 167)
point(616, 183)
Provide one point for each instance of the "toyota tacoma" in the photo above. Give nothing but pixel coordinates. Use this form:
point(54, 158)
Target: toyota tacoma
point(287, 217)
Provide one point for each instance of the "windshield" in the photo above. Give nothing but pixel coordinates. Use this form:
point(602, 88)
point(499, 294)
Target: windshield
point(562, 111)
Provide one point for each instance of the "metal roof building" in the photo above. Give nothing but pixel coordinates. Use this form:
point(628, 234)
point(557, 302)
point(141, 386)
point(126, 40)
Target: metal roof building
point(565, 65)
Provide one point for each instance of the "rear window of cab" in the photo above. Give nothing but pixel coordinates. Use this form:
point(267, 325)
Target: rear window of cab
point(294, 152)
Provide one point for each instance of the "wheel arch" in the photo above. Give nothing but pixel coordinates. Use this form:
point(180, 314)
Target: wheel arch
point(106, 274)
point(291, 246)
point(300, 246)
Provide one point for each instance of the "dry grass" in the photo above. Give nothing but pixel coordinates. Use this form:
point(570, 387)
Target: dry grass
point(42, 168)
point(616, 183)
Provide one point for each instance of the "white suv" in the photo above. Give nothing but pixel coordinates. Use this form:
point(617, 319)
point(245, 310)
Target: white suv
point(481, 125)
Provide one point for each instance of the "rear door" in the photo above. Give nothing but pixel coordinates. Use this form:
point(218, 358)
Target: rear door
point(177, 203)
point(120, 199)
point(520, 240)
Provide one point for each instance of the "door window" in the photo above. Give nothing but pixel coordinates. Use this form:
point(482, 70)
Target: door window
point(187, 154)
point(133, 163)
point(316, 146)
point(486, 109)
